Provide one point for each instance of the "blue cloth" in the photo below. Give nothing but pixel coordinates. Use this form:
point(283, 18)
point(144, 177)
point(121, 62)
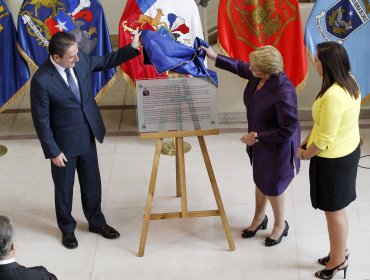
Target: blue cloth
point(168, 55)
point(14, 73)
point(348, 23)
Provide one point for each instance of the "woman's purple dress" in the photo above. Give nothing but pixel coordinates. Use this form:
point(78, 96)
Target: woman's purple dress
point(272, 113)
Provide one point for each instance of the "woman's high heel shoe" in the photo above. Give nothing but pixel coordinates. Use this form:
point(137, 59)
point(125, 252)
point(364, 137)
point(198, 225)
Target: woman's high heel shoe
point(250, 233)
point(272, 242)
point(329, 273)
point(325, 260)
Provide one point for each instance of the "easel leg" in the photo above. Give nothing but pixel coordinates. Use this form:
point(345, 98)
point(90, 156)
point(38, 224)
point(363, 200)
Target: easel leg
point(178, 190)
point(180, 170)
point(149, 200)
point(216, 192)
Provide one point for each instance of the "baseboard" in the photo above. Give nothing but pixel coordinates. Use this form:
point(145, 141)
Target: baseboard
point(303, 115)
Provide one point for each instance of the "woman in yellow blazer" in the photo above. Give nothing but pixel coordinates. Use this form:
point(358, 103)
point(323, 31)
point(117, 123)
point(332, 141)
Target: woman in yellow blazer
point(334, 150)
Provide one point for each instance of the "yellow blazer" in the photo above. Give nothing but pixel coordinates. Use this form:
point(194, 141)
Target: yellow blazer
point(335, 130)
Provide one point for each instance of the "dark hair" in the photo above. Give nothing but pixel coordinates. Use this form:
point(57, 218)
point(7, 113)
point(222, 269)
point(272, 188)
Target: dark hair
point(336, 68)
point(60, 42)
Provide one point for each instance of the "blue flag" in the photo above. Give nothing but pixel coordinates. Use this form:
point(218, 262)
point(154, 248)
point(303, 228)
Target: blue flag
point(39, 20)
point(346, 22)
point(14, 73)
point(166, 54)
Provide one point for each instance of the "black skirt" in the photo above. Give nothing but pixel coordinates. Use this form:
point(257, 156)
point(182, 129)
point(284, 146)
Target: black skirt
point(333, 181)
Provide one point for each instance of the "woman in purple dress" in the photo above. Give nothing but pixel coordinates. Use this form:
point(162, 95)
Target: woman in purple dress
point(273, 133)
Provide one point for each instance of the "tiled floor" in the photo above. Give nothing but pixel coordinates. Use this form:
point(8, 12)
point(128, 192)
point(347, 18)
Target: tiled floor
point(175, 249)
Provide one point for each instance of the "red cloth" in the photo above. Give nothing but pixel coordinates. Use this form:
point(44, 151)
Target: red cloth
point(243, 26)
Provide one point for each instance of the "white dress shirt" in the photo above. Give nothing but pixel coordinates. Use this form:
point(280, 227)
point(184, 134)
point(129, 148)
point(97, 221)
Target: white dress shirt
point(61, 71)
point(7, 261)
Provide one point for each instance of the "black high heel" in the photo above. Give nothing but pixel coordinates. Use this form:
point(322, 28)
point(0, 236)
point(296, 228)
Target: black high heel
point(329, 273)
point(250, 233)
point(272, 242)
point(325, 260)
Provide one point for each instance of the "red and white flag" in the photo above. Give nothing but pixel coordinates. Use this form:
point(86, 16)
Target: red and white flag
point(177, 18)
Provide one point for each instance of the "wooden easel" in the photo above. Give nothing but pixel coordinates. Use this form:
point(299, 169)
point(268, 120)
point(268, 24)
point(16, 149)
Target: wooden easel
point(181, 184)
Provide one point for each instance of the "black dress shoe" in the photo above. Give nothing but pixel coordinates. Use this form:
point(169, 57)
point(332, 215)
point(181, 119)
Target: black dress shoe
point(106, 231)
point(69, 240)
point(250, 233)
point(272, 242)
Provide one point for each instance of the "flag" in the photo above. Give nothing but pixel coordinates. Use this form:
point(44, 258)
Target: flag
point(14, 74)
point(345, 22)
point(168, 55)
point(176, 19)
point(244, 26)
point(39, 20)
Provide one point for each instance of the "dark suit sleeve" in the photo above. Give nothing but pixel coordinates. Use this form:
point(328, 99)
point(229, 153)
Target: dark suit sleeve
point(46, 275)
point(113, 59)
point(40, 106)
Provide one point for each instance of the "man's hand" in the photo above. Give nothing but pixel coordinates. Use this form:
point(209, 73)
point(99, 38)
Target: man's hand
point(136, 41)
point(59, 160)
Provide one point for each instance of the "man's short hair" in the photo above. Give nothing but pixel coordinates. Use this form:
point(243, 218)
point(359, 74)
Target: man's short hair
point(7, 236)
point(60, 43)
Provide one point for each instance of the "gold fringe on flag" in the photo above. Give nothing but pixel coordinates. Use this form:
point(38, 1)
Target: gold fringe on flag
point(27, 58)
point(11, 100)
point(365, 99)
point(303, 84)
point(128, 79)
point(23, 88)
point(106, 87)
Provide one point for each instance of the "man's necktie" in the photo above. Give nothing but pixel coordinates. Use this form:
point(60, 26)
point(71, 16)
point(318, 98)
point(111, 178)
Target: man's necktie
point(72, 84)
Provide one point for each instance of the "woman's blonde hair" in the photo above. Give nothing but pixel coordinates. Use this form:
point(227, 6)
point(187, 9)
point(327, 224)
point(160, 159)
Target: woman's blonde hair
point(267, 59)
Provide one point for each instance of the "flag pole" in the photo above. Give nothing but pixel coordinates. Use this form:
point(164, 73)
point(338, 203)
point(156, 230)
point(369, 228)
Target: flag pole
point(169, 148)
point(204, 4)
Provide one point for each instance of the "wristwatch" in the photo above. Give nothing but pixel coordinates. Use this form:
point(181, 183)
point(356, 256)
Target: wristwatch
point(256, 137)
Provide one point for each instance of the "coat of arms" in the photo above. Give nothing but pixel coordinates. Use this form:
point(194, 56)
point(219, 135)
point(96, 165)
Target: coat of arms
point(43, 18)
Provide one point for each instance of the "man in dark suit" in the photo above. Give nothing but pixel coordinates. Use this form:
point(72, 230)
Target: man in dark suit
point(67, 121)
point(9, 268)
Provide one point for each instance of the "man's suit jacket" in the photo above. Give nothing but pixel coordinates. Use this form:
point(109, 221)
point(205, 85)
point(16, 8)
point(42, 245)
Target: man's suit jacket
point(62, 122)
point(14, 271)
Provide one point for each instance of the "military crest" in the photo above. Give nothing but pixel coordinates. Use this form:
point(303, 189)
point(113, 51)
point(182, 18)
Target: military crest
point(43, 18)
point(39, 20)
point(168, 25)
point(260, 22)
point(342, 19)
